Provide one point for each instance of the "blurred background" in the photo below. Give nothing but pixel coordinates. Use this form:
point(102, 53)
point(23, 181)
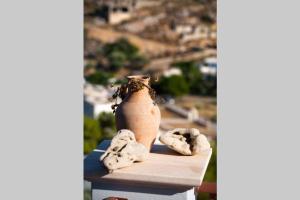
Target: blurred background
point(174, 41)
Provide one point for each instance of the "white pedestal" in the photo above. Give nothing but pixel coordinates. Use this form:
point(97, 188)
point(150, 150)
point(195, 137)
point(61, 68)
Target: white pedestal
point(139, 192)
point(165, 175)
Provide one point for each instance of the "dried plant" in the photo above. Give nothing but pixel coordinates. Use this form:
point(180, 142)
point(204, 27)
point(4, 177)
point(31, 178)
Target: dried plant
point(134, 85)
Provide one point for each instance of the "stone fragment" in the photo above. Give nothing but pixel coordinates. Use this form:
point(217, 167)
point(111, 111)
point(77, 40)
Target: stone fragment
point(123, 151)
point(186, 141)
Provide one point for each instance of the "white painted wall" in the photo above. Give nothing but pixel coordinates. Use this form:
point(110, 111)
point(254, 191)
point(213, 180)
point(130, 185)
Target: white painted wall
point(117, 17)
point(171, 72)
point(208, 70)
point(99, 108)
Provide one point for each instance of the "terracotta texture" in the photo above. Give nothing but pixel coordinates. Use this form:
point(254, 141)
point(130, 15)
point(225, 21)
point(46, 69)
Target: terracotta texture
point(139, 113)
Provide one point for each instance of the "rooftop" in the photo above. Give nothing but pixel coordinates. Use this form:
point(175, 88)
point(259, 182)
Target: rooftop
point(97, 94)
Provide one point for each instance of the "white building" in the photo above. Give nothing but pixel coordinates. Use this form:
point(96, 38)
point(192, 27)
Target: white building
point(197, 32)
point(209, 66)
point(171, 72)
point(117, 11)
point(189, 31)
point(96, 100)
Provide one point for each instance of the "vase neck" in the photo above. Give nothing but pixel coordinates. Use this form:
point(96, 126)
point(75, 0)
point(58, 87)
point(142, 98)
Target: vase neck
point(144, 92)
point(139, 95)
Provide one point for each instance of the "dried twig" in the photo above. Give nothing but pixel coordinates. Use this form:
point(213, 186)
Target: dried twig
point(134, 85)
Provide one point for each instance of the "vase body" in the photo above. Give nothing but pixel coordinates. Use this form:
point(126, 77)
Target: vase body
point(140, 114)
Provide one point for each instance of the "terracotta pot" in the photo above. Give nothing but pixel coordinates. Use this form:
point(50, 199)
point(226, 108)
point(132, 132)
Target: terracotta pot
point(138, 113)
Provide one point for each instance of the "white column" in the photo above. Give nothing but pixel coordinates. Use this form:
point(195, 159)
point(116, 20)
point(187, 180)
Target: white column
point(139, 191)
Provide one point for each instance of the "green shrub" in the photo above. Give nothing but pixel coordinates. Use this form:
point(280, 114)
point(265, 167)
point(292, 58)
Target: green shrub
point(99, 77)
point(196, 82)
point(122, 53)
point(107, 124)
point(92, 134)
point(121, 45)
point(87, 195)
point(117, 59)
point(211, 172)
point(95, 130)
point(174, 85)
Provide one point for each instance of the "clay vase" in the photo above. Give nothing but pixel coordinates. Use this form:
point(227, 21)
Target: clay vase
point(139, 113)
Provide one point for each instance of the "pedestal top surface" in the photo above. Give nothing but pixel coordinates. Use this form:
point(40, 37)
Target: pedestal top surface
point(163, 166)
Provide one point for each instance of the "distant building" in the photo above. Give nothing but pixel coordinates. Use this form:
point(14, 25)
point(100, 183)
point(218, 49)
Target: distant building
point(96, 100)
point(171, 72)
point(209, 66)
point(182, 28)
point(191, 115)
point(116, 11)
point(189, 29)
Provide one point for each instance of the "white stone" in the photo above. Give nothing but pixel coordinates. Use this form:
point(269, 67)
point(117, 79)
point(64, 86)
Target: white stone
point(187, 141)
point(123, 151)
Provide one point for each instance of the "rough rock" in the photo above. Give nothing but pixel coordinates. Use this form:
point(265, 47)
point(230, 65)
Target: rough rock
point(123, 151)
point(187, 141)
